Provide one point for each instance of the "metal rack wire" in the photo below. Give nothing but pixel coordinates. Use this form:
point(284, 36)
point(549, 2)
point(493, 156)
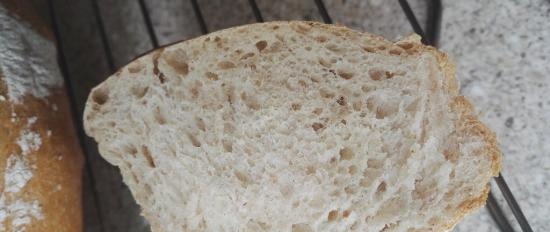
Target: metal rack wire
point(430, 36)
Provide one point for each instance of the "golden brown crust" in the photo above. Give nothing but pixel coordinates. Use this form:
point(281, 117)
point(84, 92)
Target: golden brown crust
point(56, 178)
point(56, 165)
point(467, 125)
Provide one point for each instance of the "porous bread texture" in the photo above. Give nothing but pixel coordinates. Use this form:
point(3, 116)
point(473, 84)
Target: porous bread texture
point(294, 126)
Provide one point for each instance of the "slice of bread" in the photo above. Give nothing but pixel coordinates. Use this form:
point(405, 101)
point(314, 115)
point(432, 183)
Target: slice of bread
point(294, 126)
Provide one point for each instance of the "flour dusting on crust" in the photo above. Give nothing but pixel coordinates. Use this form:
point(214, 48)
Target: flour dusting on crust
point(28, 68)
point(27, 60)
point(18, 172)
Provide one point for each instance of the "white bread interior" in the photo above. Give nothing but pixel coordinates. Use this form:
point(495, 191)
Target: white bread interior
point(294, 126)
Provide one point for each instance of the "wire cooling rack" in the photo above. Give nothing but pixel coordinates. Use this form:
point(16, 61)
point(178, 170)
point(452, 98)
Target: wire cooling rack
point(429, 34)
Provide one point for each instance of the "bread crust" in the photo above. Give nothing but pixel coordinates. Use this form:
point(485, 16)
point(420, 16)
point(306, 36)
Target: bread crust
point(56, 179)
point(466, 124)
point(54, 159)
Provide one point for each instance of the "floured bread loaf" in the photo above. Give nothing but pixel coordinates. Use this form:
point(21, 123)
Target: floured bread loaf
point(294, 126)
point(40, 159)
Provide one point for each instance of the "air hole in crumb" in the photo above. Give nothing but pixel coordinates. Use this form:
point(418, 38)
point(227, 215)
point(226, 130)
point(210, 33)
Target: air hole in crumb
point(321, 39)
point(200, 123)
point(365, 182)
point(308, 48)
point(296, 106)
point(177, 60)
point(346, 213)
point(381, 47)
point(433, 221)
point(326, 93)
point(159, 117)
point(242, 177)
point(139, 91)
point(247, 55)
point(250, 101)
point(354, 225)
point(375, 163)
point(324, 63)
point(376, 74)
point(341, 101)
point(380, 113)
point(228, 128)
point(227, 145)
point(369, 49)
point(100, 96)
point(301, 227)
point(357, 105)
point(261, 45)
point(352, 169)
point(211, 76)
point(345, 74)
point(310, 170)
point(451, 154)
point(346, 153)
point(111, 124)
point(365, 88)
point(194, 92)
point(405, 45)
point(194, 141)
point(161, 77)
point(318, 111)
point(226, 65)
point(134, 68)
point(148, 157)
point(395, 52)
point(148, 190)
point(349, 190)
point(413, 106)
point(130, 150)
point(332, 215)
point(334, 48)
point(381, 187)
point(317, 126)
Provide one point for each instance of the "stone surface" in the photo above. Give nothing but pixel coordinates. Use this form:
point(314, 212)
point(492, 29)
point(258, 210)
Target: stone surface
point(502, 60)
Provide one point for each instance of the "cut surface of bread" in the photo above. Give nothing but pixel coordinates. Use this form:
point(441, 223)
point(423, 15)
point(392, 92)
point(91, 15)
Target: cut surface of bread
point(294, 126)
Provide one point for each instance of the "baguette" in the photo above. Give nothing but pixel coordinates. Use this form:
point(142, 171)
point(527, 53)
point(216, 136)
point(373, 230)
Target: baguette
point(294, 126)
point(40, 162)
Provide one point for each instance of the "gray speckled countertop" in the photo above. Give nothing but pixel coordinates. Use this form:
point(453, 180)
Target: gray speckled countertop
point(501, 50)
point(502, 55)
